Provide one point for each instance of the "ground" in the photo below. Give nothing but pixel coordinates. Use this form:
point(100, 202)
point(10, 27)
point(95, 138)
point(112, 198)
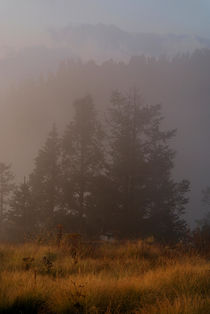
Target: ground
point(132, 277)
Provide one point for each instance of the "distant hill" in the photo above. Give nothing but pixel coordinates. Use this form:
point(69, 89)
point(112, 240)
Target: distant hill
point(90, 42)
point(100, 42)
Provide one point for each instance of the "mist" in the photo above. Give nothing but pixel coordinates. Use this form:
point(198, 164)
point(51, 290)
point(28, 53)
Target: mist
point(46, 67)
point(104, 156)
point(180, 85)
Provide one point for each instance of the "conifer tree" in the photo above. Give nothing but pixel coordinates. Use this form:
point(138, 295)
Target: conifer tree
point(6, 187)
point(147, 200)
point(45, 180)
point(83, 160)
point(22, 216)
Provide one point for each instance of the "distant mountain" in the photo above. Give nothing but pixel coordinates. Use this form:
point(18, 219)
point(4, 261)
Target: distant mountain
point(100, 42)
point(90, 42)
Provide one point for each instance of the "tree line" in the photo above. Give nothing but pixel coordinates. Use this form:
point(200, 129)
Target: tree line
point(101, 175)
point(180, 84)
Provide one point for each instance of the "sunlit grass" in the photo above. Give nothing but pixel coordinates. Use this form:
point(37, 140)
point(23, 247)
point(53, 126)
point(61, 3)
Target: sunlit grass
point(112, 278)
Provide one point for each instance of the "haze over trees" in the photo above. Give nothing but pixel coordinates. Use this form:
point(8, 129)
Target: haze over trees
point(86, 42)
point(95, 179)
point(179, 84)
point(29, 110)
point(104, 156)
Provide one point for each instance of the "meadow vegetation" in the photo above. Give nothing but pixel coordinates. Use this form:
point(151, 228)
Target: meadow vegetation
point(123, 277)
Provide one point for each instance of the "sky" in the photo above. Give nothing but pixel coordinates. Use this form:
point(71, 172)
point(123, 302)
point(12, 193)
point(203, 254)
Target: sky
point(26, 22)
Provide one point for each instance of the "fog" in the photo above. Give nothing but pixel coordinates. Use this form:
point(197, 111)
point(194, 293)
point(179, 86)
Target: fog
point(104, 156)
point(29, 108)
point(48, 67)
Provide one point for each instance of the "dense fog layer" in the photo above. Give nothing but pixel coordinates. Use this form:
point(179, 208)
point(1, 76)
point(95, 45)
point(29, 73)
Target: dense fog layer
point(181, 85)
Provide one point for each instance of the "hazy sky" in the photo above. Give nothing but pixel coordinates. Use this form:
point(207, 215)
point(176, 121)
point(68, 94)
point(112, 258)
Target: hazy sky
point(26, 21)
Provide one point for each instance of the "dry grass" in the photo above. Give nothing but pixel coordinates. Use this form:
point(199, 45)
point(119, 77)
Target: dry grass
point(114, 278)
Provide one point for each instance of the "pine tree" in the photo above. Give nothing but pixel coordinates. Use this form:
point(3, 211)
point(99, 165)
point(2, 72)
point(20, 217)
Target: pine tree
point(6, 187)
point(82, 160)
point(22, 216)
point(45, 181)
point(141, 170)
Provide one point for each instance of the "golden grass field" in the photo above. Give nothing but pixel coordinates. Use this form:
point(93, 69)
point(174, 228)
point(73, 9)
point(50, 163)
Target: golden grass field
point(127, 277)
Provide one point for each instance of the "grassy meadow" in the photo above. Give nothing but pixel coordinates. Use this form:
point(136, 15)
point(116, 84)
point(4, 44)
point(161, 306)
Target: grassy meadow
point(130, 277)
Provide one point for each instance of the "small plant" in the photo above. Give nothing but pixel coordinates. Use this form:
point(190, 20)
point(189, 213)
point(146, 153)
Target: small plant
point(28, 262)
point(47, 264)
point(72, 242)
point(77, 297)
point(35, 275)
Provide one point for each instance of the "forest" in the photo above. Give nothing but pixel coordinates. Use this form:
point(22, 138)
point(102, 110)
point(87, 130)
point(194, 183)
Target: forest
point(150, 162)
point(94, 182)
point(180, 84)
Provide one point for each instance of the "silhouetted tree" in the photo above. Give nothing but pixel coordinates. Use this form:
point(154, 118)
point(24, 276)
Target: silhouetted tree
point(140, 171)
point(166, 199)
point(22, 217)
point(6, 187)
point(82, 160)
point(201, 235)
point(45, 180)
